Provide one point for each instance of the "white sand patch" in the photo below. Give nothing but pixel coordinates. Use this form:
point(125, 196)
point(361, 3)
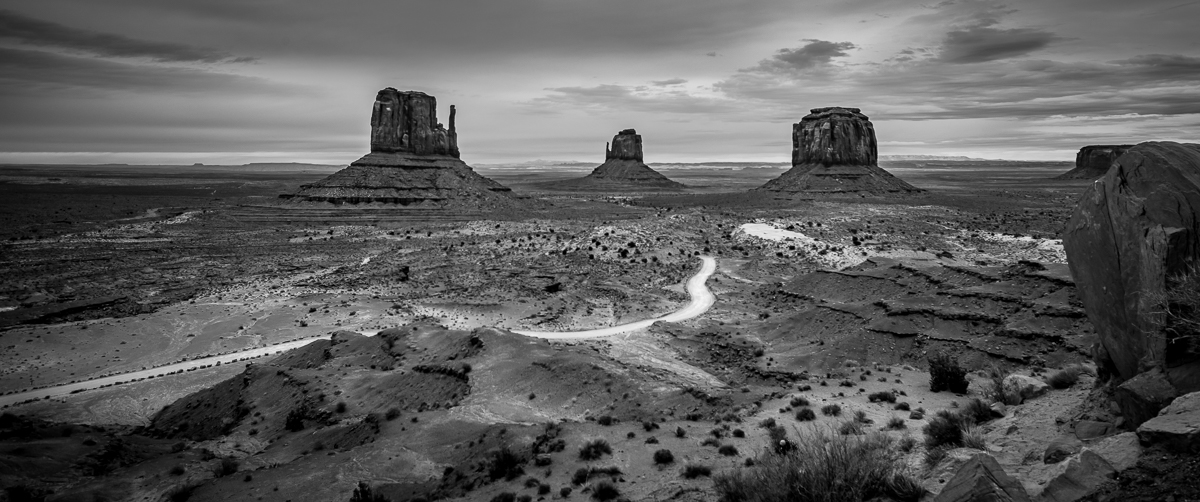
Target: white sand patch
point(830, 255)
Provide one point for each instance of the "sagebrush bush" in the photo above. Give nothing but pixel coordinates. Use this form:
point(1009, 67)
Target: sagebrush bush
point(824, 468)
point(798, 401)
point(728, 450)
point(896, 423)
point(972, 437)
point(976, 411)
point(693, 471)
point(850, 427)
point(882, 396)
point(605, 490)
point(711, 442)
point(946, 374)
point(1180, 304)
point(663, 456)
point(902, 406)
point(832, 410)
point(1066, 377)
point(945, 428)
point(995, 386)
point(505, 463)
point(594, 449)
point(806, 415)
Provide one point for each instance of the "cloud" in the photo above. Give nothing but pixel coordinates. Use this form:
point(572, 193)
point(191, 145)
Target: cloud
point(814, 54)
point(39, 33)
point(711, 54)
point(977, 44)
point(630, 98)
point(671, 81)
point(19, 68)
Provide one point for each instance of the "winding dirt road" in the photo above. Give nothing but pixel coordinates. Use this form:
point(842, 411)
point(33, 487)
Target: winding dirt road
point(701, 300)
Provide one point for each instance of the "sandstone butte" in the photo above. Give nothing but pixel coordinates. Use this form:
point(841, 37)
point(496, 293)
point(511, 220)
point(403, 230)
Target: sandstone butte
point(414, 161)
point(1133, 233)
point(1093, 161)
point(834, 151)
point(623, 170)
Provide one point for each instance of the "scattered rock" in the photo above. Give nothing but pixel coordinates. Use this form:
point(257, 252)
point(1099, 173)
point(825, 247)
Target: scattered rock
point(1085, 473)
point(1177, 427)
point(1121, 451)
point(1090, 429)
point(982, 479)
point(834, 151)
point(1133, 228)
point(999, 410)
point(1142, 396)
point(1060, 449)
point(1093, 161)
point(1025, 386)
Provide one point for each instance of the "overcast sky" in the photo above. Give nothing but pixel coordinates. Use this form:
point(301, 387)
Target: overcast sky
point(233, 81)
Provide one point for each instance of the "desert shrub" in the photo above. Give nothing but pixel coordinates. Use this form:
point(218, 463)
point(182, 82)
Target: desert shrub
point(663, 456)
point(738, 433)
point(505, 497)
point(995, 386)
point(906, 444)
point(611, 470)
point(225, 467)
point(976, 411)
point(832, 410)
point(824, 468)
point(717, 433)
point(605, 420)
point(565, 492)
point(798, 402)
point(341, 407)
point(850, 427)
point(882, 396)
point(605, 490)
point(934, 456)
point(779, 440)
point(767, 423)
point(902, 406)
point(543, 489)
point(945, 428)
point(896, 423)
point(1066, 377)
point(946, 374)
point(711, 442)
point(679, 432)
point(649, 426)
point(972, 437)
point(916, 415)
point(728, 450)
point(806, 415)
point(651, 440)
point(594, 449)
point(1180, 304)
point(177, 470)
point(580, 477)
point(392, 414)
point(693, 471)
point(860, 416)
point(504, 463)
point(532, 482)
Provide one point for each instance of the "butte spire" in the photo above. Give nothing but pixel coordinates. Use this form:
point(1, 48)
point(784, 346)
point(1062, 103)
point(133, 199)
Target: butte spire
point(413, 162)
point(834, 151)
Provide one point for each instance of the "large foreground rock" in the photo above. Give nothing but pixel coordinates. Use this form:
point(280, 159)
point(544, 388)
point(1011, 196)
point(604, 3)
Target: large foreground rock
point(1093, 161)
point(982, 479)
point(1177, 427)
point(1141, 397)
point(1133, 229)
point(413, 162)
point(623, 170)
point(1084, 474)
point(834, 151)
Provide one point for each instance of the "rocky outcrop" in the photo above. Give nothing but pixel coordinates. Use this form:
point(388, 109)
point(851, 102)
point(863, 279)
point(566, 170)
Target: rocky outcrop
point(413, 162)
point(1133, 229)
point(1177, 426)
point(834, 151)
point(622, 171)
point(981, 478)
point(1026, 387)
point(1093, 161)
point(1084, 474)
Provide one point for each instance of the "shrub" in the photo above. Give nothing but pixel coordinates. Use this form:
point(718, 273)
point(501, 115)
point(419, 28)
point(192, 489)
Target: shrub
point(832, 410)
point(806, 415)
point(225, 467)
point(565, 492)
point(594, 449)
point(860, 416)
point(824, 469)
point(850, 427)
point(532, 482)
point(341, 407)
point(738, 433)
point(679, 432)
point(605, 420)
point(882, 396)
point(767, 423)
point(711, 442)
point(934, 456)
point(605, 490)
point(995, 386)
point(1180, 303)
point(505, 497)
point(972, 437)
point(728, 450)
point(896, 423)
point(693, 471)
point(580, 477)
point(177, 470)
point(902, 406)
point(798, 402)
point(392, 414)
point(1066, 377)
point(944, 428)
point(916, 415)
point(946, 374)
point(663, 456)
point(976, 411)
point(906, 444)
point(651, 440)
point(649, 426)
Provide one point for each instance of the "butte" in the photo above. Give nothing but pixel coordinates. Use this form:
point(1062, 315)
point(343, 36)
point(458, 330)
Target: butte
point(1093, 161)
point(413, 163)
point(623, 170)
point(834, 152)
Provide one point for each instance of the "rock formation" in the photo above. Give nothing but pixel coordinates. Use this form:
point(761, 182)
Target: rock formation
point(623, 170)
point(1093, 161)
point(982, 478)
point(413, 161)
point(834, 151)
point(1133, 231)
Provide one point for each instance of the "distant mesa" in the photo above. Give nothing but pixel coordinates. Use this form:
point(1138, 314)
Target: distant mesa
point(834, 151)
point(413, 162)
point(623, 170)
point(1093, 161)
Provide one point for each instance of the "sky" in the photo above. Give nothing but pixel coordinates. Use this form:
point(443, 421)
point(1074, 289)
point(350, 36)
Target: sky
point(236, 81)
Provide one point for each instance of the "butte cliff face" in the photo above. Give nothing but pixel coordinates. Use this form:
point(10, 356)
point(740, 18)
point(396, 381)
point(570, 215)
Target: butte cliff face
point(834, 151)
point(1133, 232)
point(622, 171)
point(413, 162)
point(1093, 161)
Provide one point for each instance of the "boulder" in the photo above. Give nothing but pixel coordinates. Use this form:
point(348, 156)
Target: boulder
point(982, 479)
point(834, 151)
point(1091, 429)
point(1132, 230)
point(1025, 386)
point(1121, 451)
point(1093, 161)
point(1142, 396)
point(1083, 475)
point(1177, 427)
point(1060, 449)
point(622, 171)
